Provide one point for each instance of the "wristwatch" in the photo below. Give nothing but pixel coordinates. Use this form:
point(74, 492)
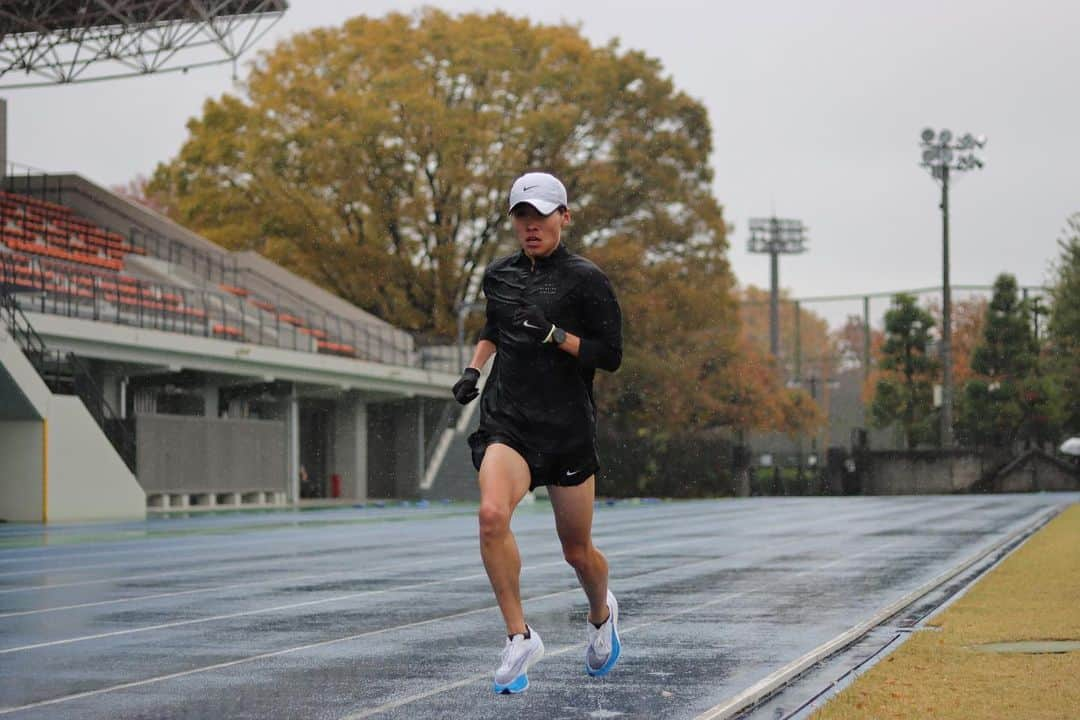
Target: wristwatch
point(558, 336)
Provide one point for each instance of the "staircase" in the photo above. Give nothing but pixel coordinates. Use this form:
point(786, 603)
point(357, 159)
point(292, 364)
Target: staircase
point(65, 374)
point(450, 472)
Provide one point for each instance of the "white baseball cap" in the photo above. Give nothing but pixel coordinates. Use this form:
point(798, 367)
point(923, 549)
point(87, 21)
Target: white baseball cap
point(541, 190)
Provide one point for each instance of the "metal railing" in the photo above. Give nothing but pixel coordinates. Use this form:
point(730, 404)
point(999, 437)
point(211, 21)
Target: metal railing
point(284, 326)
point(224, 269)
point(32, 181)
point(377, 342)
point(446, 418)
point(65, 374)
point(55, 287)
point(212, 267)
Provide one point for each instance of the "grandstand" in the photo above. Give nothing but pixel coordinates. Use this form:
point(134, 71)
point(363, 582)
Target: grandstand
point(142, 366)
point(214, 377)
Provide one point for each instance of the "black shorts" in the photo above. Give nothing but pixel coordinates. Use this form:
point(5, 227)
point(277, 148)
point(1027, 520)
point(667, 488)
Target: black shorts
point(562, 469)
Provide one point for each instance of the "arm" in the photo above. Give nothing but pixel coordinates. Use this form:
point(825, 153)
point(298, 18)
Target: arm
point(601, 346)
point(488, 341)
point(464, 389)
point(484, 350)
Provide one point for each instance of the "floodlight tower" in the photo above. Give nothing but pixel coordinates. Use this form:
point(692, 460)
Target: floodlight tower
point(941, 154)
point(776, 236)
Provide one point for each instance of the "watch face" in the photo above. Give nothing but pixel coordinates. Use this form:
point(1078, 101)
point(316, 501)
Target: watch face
point(559, 336)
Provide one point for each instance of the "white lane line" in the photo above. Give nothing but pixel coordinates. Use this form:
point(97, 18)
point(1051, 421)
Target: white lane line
point(181, 593)
point(224, 543)
point(205, 537)
point(312, 603)
point(261, 656)
point(210, 540)
point(223, 539)
point(622, 631)
point(671, 616)
point(229, 586)
point(163, 555)
point(286, 651)
point(247, 562)
point(214, 538)
point(357, 636)
point(195, 621)
point(735, 704)
point(469, 539)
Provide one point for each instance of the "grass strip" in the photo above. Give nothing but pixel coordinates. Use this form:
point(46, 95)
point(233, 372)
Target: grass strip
point(941, 673)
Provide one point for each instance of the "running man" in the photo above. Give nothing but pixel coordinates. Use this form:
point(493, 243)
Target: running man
point(553, 318)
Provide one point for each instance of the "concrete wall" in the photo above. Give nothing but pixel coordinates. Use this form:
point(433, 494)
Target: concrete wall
point(200, 454)
point(380, 455)
point(408, 447)
point(84, 476)
point(349, 450)
point(916, 472)
point(1035, 473)
point(395, 449)
point(87, 480)
point(21, 471)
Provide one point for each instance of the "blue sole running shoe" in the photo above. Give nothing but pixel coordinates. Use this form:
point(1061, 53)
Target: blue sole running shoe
point(604, 642)
point(519, 684)
point(519, 654)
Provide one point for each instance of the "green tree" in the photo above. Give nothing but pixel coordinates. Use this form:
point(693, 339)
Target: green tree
point(1001, 403)
point(904, 391)
point(1063, 330)
point(374, 158)
point(1008, 349)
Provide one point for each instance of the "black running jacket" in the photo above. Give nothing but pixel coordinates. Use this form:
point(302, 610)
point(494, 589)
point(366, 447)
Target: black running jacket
point(537, 394)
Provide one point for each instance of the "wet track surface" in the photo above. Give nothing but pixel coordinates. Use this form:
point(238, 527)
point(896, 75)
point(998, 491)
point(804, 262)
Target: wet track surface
point(386, 612)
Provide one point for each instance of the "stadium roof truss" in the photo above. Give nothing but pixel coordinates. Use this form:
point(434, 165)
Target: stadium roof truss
point(44, 42)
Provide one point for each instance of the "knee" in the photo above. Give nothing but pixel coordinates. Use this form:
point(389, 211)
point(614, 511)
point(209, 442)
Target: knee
point(494, 521)
point(577, 555)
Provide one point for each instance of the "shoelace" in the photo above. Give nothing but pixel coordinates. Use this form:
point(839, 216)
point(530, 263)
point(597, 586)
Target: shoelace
point(602, 639)
point(507, 649)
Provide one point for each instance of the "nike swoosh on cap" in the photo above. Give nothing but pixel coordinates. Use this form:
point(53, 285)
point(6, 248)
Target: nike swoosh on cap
point(527, 188)
point(573, 472)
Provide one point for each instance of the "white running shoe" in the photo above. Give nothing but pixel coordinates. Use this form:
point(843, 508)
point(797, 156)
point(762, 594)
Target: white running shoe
point(519, 654)
point(604, 646)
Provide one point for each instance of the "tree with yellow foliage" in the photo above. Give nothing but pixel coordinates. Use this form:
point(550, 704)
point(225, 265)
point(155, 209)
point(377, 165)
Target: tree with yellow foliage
point(374, 158)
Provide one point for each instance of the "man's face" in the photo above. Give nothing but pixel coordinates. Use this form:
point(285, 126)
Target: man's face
point(538, 234)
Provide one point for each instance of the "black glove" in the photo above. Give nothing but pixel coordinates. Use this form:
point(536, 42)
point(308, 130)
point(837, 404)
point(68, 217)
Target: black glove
point(465, 389)
point(531, 319)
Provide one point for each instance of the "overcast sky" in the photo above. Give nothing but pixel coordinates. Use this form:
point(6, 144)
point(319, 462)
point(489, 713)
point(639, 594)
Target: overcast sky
point(816, 110)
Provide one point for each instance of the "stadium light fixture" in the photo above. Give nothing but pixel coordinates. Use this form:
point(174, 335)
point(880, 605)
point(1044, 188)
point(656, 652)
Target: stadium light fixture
point(942, 155)
point(776, 236)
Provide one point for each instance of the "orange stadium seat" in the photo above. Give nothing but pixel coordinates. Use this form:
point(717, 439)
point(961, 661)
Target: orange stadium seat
point(333, 348)
point(291, 319)
point(64, 235)
point(58, 252)
point(263, 305)
point(230, 331)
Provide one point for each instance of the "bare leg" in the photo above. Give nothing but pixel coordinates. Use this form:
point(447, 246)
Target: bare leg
point(504, 480)
point(573, 520)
